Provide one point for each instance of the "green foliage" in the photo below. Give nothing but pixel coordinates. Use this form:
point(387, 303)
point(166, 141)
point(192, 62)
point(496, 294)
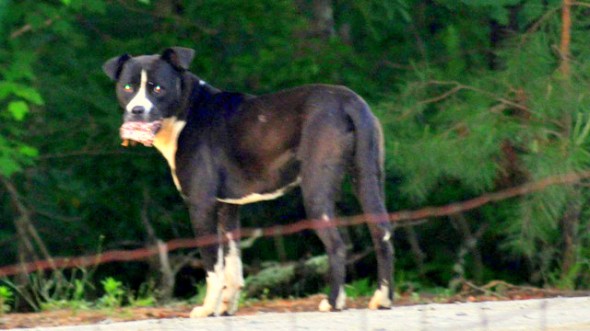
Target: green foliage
point(360, 288)
point(6, 299)
point(113, 293)
point(15, 98)
point(467, 91)
point(18, 109)
point(55, 291)
point(144, 297)
point(73, 297)
point(200, 292)
point(463, 130)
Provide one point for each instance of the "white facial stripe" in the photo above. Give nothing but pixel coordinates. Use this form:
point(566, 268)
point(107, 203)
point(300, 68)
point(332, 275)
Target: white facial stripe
point(141, 99)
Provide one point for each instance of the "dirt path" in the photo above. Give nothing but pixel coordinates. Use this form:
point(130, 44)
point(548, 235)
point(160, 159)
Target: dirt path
point(538, 314)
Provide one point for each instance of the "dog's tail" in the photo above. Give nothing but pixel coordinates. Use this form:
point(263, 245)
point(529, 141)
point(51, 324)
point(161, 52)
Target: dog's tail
point(369, 155)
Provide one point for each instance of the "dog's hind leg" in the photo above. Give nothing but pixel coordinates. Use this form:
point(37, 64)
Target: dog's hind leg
point(234, 279)
point(381, 233)
point(320, 208)
point(323, 153)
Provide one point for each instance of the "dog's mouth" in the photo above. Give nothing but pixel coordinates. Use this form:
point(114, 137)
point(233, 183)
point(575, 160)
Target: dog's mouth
point(141, 132)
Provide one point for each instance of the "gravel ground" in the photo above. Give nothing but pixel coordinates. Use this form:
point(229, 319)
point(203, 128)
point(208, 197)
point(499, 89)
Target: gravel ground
point(540, 314)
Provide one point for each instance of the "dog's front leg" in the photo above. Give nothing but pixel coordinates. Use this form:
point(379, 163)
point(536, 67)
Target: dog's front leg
point(205, 225)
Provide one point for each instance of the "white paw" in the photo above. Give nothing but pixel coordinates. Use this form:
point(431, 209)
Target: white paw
point(325, 306)
point(229, 303)
point(341, 299)
point(340, 302)
point(380, 299)
point(200, 312)
point(223, 309)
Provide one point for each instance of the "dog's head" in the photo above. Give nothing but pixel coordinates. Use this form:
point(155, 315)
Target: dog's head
point(149, 89)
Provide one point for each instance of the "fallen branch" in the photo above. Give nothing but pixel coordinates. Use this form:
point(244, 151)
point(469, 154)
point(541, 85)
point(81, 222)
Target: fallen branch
point(483, 289)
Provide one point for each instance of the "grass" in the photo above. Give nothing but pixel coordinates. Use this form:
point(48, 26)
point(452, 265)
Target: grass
point(360, 288)
point(77, 293)
point(56, 292)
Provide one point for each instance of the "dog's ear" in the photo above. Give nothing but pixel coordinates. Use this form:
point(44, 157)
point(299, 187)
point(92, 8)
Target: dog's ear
point(114, 66)
point(178, 57)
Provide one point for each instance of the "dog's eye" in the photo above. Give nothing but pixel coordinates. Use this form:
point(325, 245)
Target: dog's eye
point(158, 89)
point(128, 88)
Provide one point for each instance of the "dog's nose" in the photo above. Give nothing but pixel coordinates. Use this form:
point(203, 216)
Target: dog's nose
point(137, 110)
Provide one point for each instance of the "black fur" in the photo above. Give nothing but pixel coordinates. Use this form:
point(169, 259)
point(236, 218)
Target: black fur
point(234, 145)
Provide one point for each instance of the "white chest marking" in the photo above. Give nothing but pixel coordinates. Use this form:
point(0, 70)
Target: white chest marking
point(256, 197)
point(141, 99)
point(166, 141)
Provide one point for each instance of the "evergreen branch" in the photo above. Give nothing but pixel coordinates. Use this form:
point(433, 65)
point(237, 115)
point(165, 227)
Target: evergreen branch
point(440, 59)
point(443, 96)
point(460, 86)
point(534, 27)
point(580, 4)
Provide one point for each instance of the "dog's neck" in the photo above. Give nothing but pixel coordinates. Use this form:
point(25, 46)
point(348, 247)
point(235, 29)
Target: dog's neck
point(202, 104)
point(208, 102)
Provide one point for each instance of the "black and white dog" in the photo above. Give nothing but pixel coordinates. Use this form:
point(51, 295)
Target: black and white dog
point(228, 149)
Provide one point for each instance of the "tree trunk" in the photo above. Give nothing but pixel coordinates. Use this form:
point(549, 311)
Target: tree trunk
point(470, 245)
point(499, 33)
point(27, 237)
point(419, 255)
point(564, 46)
point(571, 218)
point(323, 19)
point(569, 227)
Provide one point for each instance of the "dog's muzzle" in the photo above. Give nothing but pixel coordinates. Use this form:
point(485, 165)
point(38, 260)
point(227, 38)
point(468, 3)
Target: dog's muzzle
point(141, 132)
